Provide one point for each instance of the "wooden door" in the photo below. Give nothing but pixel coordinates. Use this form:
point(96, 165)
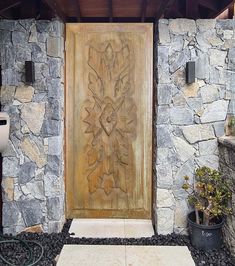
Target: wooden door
point(109, 120)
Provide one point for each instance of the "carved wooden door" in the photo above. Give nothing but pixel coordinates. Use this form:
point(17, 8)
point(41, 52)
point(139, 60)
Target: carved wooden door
point(109, 120)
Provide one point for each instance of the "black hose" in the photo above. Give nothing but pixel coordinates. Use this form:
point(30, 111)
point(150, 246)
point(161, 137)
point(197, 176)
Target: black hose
point(30, 261)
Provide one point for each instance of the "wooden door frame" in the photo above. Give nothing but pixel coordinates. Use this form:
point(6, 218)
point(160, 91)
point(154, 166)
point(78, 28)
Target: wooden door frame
point(154, 123)
point(67, 128)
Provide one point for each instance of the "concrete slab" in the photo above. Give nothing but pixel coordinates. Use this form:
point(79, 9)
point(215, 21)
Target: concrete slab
point(101, 255)
point(158, 256)
point(98, 228)
point(108, 228)
point(138, 228)
point(86, 255)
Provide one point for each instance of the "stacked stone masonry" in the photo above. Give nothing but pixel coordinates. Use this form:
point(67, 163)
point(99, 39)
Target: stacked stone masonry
point(33, 184)
point(227, 167)
point(190, 117)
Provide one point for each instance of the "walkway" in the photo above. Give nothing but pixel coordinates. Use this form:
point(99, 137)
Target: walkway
point(110, 255)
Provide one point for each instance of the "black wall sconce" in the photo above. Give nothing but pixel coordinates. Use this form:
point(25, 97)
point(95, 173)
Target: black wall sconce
point(29, 72)
point(0, 90)
point(0, 75)
point(190, 72)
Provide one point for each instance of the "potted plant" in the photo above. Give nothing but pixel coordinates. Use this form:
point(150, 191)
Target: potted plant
point(209, 195)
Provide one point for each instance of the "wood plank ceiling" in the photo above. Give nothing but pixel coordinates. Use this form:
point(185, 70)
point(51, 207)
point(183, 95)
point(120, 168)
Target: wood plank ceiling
point(114, 10)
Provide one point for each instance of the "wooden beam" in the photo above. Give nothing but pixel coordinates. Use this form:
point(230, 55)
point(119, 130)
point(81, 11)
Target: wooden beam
point(163, 6)
point(143, 10)
point(231, 11)
point(233, 8)
point(116, 19)
point(4, 16)
point(174, 11)
point(10, 13)
point(55, 7)
point(78, 11)
point(38, 8)
point(28, 9)
point(224, 4)
point(210, 4)
point(110, 2)
point(5, 5)
point(192, 10)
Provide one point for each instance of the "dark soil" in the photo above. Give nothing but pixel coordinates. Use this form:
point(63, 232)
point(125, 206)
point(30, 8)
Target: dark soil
point(53, 244)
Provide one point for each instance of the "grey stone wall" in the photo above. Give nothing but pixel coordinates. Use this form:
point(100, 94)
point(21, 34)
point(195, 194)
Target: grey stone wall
point(33, 186)
point(189, 117)
point(227, 167)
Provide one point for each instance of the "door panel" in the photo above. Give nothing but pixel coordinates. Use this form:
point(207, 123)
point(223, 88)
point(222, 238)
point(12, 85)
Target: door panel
point(109, 120)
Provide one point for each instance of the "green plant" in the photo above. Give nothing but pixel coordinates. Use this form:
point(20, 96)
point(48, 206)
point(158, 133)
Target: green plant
point(209, 194)
point(231, 122)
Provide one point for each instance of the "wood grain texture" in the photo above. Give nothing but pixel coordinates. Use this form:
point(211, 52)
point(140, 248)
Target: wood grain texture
point(109, 120)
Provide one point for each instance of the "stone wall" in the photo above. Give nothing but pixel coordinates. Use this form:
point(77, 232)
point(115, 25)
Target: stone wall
point(227, 167)
point(189, 117)
point(33, 186)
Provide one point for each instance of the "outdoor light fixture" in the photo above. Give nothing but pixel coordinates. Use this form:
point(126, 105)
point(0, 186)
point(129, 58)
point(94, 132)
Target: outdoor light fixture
point(0, 75)
point(29, 72)
point(190, 72)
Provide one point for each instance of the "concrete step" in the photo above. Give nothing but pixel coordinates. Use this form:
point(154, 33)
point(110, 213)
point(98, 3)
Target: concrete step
point(108, 228)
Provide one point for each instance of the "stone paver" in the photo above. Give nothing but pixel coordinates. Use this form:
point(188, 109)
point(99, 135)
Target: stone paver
point(101, 228)
point(97, 228)
point(98, 255)
point(86, 255)
point(138, 228)
point(158, 256)
point(89, 255)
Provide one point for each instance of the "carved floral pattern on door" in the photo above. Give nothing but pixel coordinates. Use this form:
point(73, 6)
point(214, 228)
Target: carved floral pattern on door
point(111, 119)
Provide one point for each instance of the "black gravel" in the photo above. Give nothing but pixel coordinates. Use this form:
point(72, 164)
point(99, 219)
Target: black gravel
point(53, 244)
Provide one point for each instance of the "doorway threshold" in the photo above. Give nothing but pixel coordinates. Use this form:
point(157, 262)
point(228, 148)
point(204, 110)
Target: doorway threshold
point(110, 228)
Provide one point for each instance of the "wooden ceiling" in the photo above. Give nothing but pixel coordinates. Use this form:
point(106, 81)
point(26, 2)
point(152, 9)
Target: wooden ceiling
point(114, 10)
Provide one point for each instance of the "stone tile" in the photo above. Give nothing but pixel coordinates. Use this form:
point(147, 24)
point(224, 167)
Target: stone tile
point(164, 172)
point(165, 198)
point(138, 228)
point(31, 149)
point(164, 34)
point(158, 256)
point(182, 26)
point(185, 150)
point(98, 228)
point(54, 47)
point(181, 116)
point(86, 255)
point(215, 111)
point(112, 228)
point(165, 221)
point(196, 133)
point(24, 94)
point(28, 112)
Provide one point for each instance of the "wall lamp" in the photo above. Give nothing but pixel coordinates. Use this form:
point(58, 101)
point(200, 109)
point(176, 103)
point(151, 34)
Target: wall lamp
point(29, 72)
point(190, 72)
